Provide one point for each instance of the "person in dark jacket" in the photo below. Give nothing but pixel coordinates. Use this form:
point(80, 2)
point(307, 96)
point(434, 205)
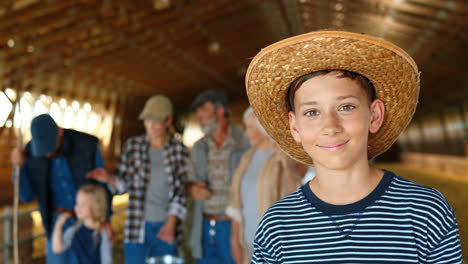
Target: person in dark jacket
point(53, 166)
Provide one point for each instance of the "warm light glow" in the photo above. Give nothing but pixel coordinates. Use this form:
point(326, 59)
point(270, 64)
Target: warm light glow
point(46, 99)
point(10, 93)
point(56, 113)
point(192, 133)
point(81, 118)
point(75, 105)
point(93, 122)
point(36, 217)
point(68, 117)
point(105, 131)
point(27, 95)
point(39, 108)
point(5, 108)
point(338, 6)
point(87, 107)
point(63, 103)
point(161, 4)
point(214, 47)
point(24, 114)
point(17, 118)
point(119, 200)
point(11, 43)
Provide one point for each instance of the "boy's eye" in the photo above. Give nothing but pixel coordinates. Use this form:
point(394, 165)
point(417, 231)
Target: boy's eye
point(347, 107)
point(311, 113)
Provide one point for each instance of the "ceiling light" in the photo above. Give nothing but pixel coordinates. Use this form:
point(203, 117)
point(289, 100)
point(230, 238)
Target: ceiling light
point(214, 47)
point(161, 4)
point(11, 43)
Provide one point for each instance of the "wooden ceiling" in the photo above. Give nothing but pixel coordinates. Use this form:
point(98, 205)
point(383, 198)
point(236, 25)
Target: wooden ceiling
point(138, 48)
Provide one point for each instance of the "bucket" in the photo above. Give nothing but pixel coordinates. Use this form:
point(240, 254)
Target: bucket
point(166, 259)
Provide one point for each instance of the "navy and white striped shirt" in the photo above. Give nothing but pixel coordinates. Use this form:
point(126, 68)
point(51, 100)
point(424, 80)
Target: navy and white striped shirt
point(398, 222)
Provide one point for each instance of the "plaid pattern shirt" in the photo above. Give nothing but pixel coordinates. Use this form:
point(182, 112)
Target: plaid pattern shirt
point(133, 174)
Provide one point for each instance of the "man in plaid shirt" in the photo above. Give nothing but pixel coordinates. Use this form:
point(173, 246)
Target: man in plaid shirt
point(152, 170)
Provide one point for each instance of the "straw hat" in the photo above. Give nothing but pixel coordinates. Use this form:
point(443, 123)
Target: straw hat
point(392, 71)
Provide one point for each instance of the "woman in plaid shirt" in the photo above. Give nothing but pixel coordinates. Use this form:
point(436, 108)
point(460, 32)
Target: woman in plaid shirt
point(152, 170)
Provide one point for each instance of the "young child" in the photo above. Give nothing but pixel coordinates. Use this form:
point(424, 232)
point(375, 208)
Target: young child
point(89, 239)
point(335, 100)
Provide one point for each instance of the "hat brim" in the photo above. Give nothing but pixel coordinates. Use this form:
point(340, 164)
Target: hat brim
point(392, 71)
point(152, 117)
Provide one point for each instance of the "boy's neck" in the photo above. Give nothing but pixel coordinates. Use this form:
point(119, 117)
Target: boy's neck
point(347, 186)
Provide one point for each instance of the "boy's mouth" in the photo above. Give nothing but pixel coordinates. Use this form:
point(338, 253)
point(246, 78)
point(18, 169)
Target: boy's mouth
point(334, 146)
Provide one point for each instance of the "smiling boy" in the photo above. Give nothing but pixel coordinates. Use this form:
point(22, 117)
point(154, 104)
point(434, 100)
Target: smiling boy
point(334, 100)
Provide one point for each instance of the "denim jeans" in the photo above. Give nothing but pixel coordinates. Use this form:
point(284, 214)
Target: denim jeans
point(137, 253)
point(216, 241)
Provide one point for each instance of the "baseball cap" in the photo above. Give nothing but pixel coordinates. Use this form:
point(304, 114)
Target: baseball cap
point(44, 135)
point(158, 108)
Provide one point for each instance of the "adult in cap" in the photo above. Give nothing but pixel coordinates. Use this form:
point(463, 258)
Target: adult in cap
point(215, 157)
point(53, 166)
point(335, 99)
point(152, 169)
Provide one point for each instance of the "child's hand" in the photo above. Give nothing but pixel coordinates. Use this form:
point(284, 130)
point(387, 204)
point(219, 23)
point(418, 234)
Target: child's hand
point(63, 217)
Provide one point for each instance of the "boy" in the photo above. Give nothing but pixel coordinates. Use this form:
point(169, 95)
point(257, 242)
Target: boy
point(335, 100)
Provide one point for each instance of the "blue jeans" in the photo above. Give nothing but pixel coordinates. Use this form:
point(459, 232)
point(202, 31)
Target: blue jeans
point(136, 253)
point(216, 241)
point(65, 257)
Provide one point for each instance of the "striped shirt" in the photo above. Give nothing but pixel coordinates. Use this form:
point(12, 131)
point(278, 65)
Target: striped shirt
point(398, 222)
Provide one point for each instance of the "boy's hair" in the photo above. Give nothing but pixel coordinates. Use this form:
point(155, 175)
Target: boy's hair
point(365, 83)
point(99, 201)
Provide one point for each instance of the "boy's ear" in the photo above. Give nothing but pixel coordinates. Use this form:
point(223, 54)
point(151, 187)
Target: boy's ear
point(293, 127)
point(377, 109)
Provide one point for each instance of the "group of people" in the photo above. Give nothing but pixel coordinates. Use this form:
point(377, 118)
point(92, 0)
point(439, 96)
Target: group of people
point(232, 175)
point(329, 99)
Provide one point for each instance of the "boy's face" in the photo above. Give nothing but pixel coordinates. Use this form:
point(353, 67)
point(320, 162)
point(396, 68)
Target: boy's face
point(332, 120)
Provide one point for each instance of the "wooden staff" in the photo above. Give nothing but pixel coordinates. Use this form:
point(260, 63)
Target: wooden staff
point(16, 191)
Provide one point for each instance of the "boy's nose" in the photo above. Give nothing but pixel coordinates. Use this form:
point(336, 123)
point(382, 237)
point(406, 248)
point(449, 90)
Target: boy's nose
point(331, 124)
